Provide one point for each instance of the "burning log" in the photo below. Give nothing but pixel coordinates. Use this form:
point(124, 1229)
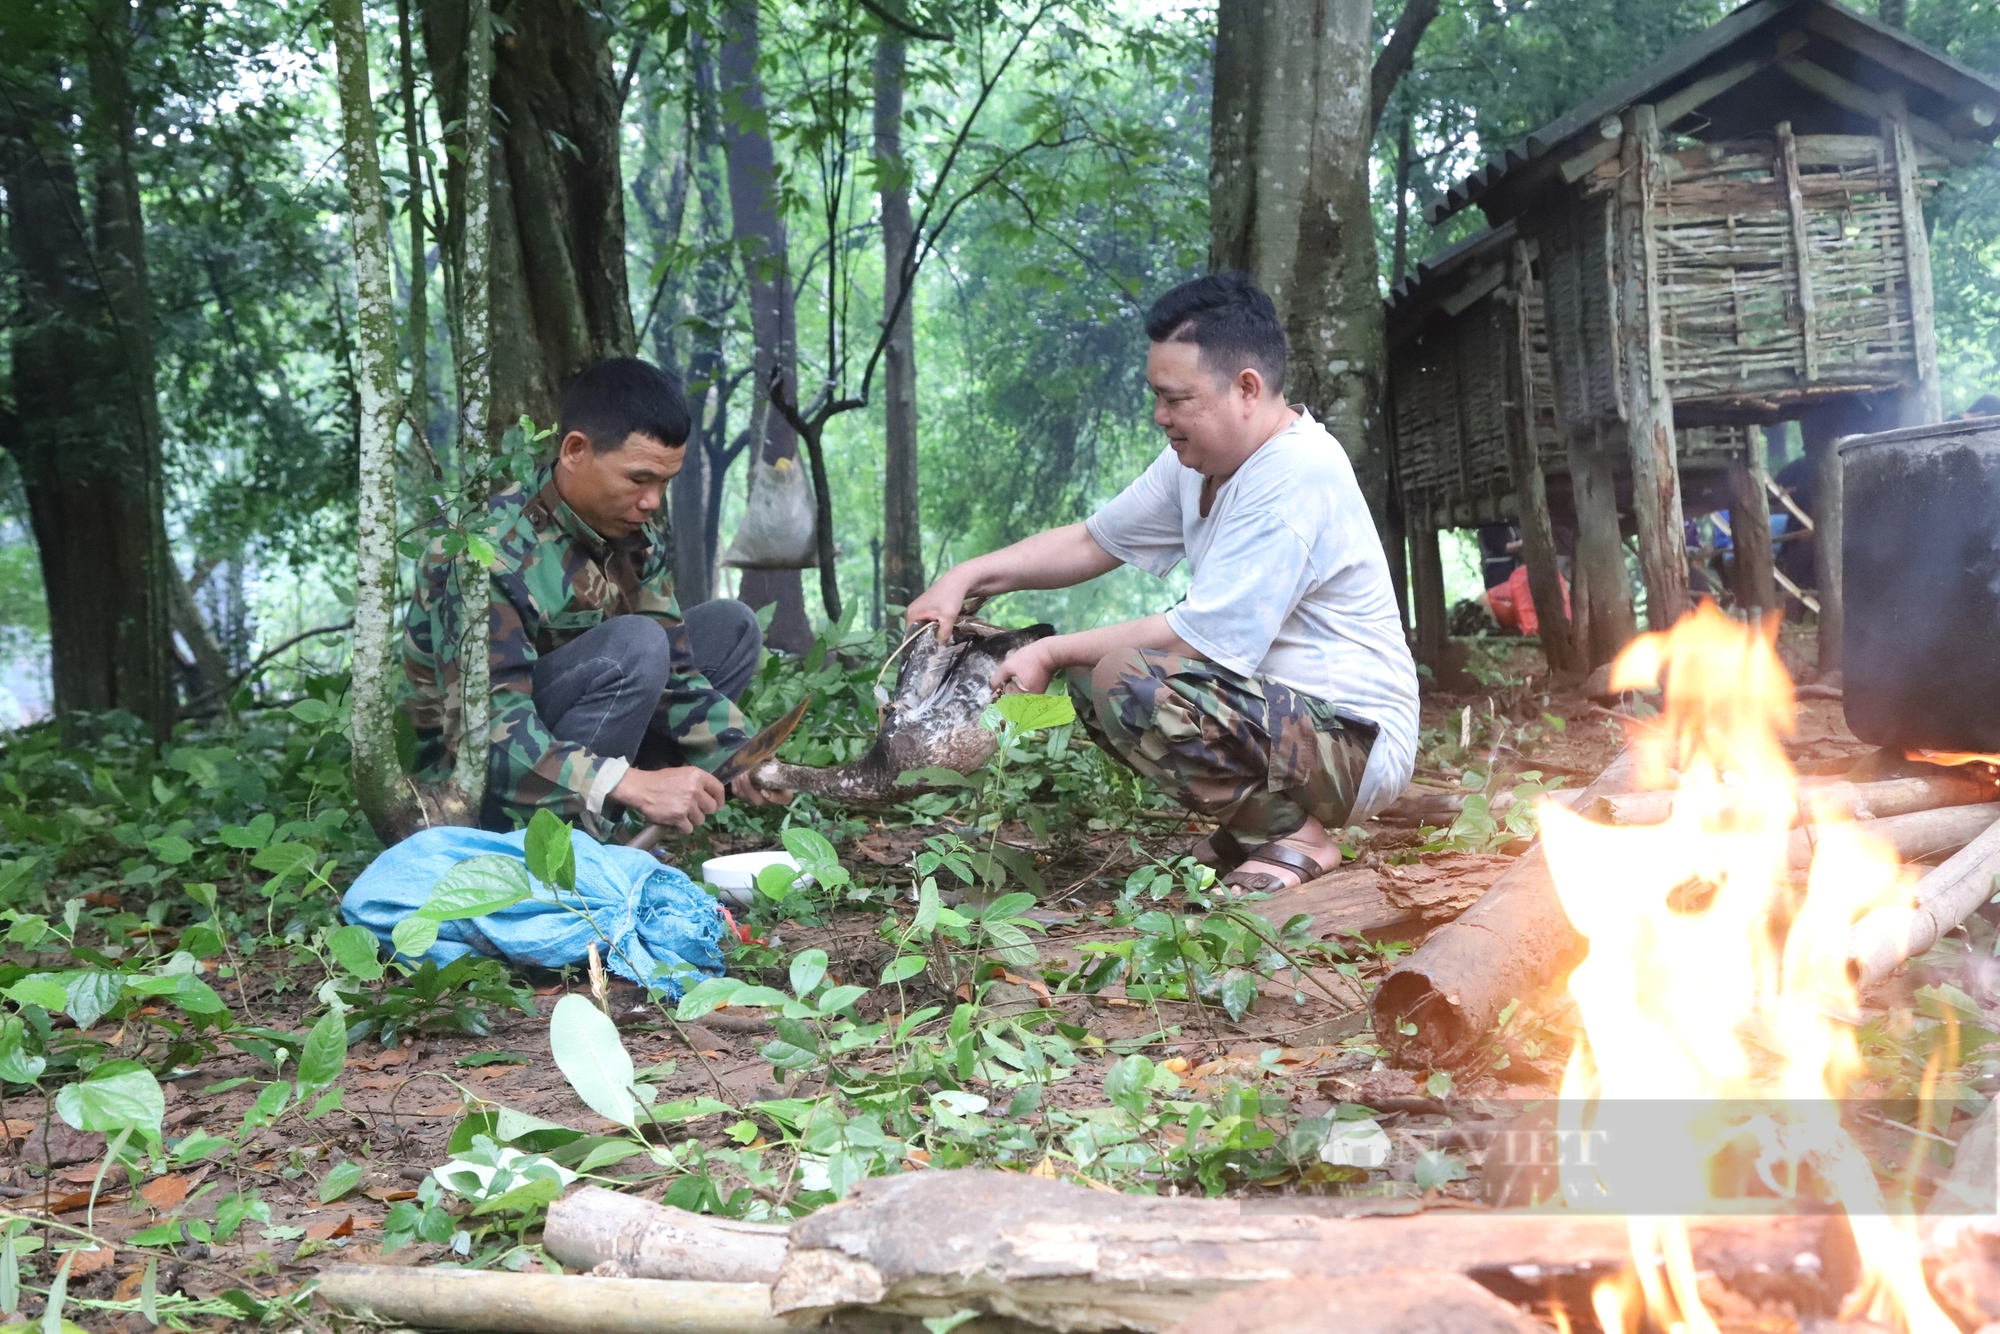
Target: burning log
point(1854, 801)
point(1940, 901)
point(1914, 836)
point(528, 1303)
point(1505, 946)
point(620, 1236)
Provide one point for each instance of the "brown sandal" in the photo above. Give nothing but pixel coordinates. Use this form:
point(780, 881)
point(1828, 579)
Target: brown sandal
point(1263, 882)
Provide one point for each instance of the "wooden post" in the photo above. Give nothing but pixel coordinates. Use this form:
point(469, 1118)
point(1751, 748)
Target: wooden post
point(1928, 405)
point(1649, 412)
point(1750, 531)
point(1600, 553)
point(1820, 430)
point(1427, 584)
point(1531, 488)
point(1788, 170)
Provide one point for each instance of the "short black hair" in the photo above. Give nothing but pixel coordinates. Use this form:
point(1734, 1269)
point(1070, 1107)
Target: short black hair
point(1230, 319)
point(622, 395)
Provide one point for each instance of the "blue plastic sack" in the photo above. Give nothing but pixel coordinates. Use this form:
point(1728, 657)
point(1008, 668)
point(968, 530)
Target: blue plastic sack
point(653, 915)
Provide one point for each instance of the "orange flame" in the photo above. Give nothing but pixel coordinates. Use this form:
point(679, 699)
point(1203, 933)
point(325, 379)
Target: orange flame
point(1952, 757)
point(1710, 976)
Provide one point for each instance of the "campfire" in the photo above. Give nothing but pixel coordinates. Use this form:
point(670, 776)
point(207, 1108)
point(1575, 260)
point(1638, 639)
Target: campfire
point(1715, 983)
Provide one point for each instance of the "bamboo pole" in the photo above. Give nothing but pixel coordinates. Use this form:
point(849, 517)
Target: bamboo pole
point(528, 1303)
point(1834, 801)
point(1788, 159)
point(1941, 900)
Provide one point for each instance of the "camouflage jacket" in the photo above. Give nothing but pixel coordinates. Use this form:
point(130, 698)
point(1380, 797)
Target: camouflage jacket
point(554, 578)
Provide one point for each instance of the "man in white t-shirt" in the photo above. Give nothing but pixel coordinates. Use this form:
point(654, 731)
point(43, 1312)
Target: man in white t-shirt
point(1279, 696)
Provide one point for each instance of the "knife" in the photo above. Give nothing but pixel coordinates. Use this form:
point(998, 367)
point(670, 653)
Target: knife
point(748, 756)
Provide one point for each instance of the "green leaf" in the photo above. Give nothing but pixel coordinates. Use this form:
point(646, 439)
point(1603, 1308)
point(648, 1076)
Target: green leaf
point(281, 859)
point(551, 857)
point(1007, 905)
point(357, 949)
point(902, 968)
point(118, 1095)
point(17, 1064)
point(533, 1194)
point(945, 1324)
point(92, 993)
point(929, 904)
point(339, 1179)
point(1435, 1167)
point(810, 849)
point(414, 936)
point(1126, 1082)
point(586, 1046)
point(776, 883)
point(477, 886)
point(1439, 1084)
point(705, 996)
point(172, 849)
point(839, 998)
point(14, 875)
point(10, 1276)
point(474, 1060)
point(808, 967)
point(37, 991)
point(1031, 713)
point(149, 1292)
point(325, 1052)
point(312, 711)
point(1239, 993)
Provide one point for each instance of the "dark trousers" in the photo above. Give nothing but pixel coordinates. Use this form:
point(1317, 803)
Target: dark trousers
point(601, 689)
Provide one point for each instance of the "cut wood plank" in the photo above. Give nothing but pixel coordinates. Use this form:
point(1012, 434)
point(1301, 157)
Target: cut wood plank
point(600, 1230)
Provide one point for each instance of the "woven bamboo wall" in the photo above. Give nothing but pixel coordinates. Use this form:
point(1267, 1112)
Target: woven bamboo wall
point(1449, 387)
point(1732, 322)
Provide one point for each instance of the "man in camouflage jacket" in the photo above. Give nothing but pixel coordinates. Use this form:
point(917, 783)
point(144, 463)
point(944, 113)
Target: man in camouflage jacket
point(603, 692)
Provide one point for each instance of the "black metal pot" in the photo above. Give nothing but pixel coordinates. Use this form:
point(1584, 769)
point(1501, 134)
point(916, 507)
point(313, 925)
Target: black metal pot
point(1921, 574)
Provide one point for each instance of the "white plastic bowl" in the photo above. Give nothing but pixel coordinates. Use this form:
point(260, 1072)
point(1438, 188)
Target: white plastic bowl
point(735, 876)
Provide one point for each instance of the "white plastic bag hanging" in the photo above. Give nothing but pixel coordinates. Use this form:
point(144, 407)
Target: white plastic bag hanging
point(777, 528)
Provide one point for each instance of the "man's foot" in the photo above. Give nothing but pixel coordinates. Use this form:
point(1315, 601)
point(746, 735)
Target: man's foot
point(1306, 853)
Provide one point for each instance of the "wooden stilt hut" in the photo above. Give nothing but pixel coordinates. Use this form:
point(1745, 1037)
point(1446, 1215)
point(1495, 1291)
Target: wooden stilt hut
point(1733, 236)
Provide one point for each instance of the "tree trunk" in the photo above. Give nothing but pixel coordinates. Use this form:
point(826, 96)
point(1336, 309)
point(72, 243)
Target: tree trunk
point(1289, 203)
point(558, 200)
point(392, 803)
point(85, 430)
point(902, 528)
point(475, 430)
point(760, 233)
point(417, 405)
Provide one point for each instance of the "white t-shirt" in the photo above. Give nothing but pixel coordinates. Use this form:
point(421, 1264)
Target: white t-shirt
point(1288, 581)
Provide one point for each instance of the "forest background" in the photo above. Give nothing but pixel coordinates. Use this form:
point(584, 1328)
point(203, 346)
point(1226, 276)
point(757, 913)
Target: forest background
point(179, 165)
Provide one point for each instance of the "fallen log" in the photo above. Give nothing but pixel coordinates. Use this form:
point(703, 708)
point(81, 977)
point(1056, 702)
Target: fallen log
point(528, 1303)
point(1062, 1257)
point(1914, 836)
point(1386, 903)
point(1883, 939)
point(622, 1236)
point(1826, 801)
point(1438, 1003)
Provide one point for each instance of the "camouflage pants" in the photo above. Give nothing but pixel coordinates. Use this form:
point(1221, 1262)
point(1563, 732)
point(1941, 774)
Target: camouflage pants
point(1254, 755)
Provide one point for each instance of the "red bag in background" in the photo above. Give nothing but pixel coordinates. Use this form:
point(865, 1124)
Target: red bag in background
point(1514, 606)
